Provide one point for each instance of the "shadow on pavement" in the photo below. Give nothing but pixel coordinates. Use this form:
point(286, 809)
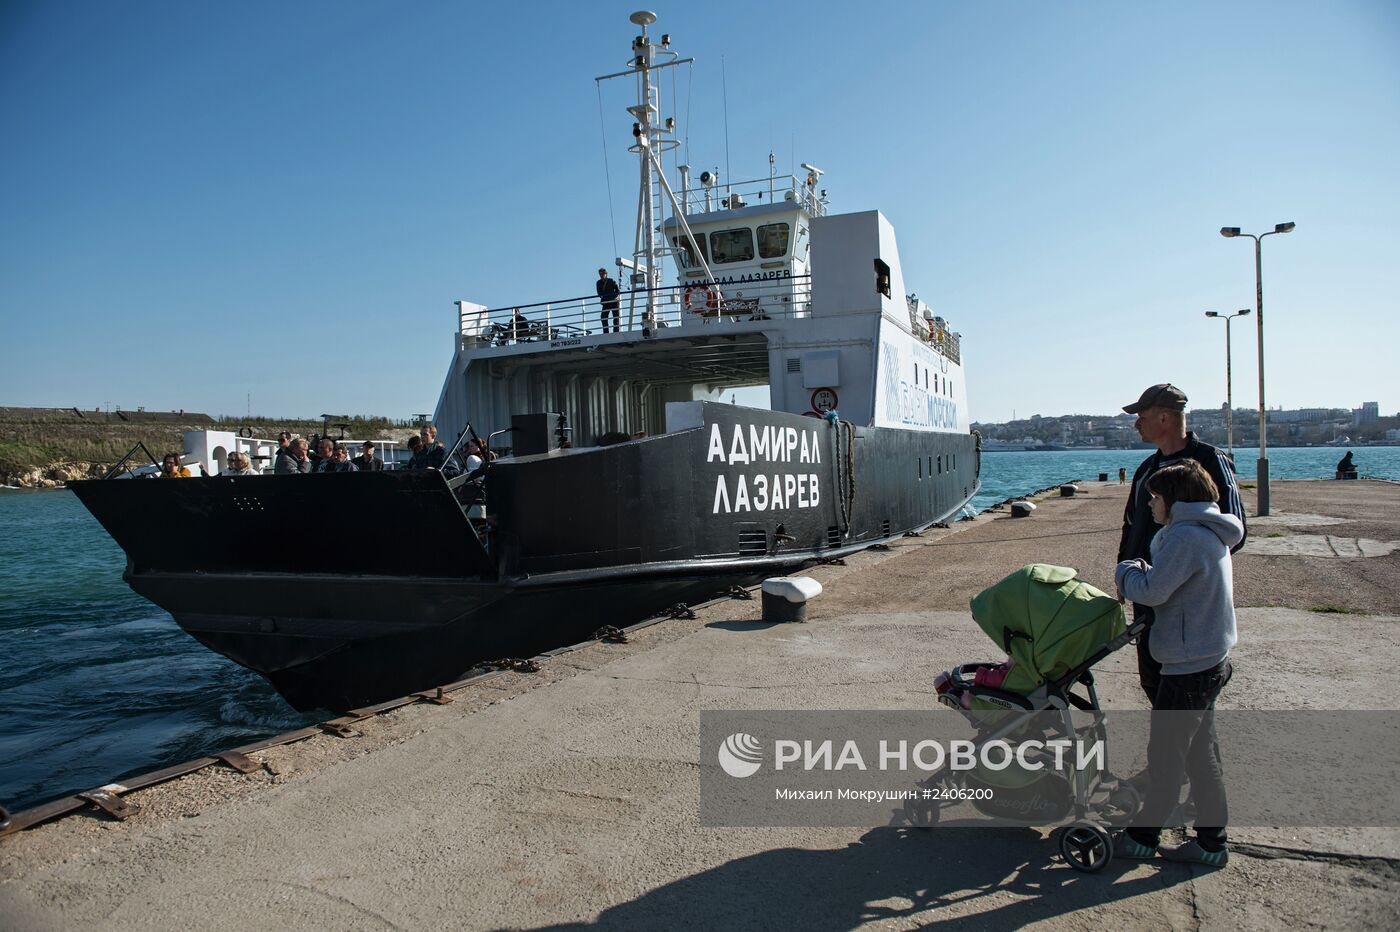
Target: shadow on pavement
point(756, 624)
point(889, 873)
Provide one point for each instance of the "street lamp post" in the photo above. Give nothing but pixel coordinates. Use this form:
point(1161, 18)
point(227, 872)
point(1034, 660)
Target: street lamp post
point(1229, 397)
point(1263, 465)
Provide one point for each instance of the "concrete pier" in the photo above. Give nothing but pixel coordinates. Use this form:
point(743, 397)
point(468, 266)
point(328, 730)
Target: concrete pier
point(569, 797)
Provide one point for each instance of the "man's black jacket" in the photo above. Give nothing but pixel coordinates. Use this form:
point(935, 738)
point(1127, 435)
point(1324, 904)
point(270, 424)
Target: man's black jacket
point(1138, 526)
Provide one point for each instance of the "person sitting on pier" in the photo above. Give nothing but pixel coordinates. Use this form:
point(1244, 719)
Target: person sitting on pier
point(294, 461)
point(607, 293)
point(1346, 469)
point(238, 465)
point(367, 461)
point(170, 467)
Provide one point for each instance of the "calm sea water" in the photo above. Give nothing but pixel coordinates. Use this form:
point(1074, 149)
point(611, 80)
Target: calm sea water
point(1008, 474)
point(96, 683)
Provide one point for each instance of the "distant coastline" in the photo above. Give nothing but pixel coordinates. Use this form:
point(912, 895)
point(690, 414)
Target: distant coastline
point(1300, 427)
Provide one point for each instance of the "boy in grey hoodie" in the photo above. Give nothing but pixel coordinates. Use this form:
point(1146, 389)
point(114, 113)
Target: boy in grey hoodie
point(1189, 584)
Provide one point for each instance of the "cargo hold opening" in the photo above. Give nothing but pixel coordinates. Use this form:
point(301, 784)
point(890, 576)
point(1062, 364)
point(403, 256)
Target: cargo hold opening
point(618, 388)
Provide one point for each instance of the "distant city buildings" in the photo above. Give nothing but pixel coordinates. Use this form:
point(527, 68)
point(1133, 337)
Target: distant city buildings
point(1291, 427)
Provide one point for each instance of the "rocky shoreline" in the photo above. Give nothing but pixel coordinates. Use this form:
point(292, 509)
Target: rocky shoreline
point(54, 475)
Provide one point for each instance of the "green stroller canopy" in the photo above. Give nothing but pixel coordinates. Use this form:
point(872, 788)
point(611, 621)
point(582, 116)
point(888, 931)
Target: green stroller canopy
point(1047, 621)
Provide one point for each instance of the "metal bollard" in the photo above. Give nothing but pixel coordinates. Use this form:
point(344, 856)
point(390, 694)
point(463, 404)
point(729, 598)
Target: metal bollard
point(785, 598)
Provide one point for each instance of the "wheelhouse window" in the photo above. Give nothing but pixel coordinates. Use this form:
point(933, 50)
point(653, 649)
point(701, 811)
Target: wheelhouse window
point(732, 245)
point(687, 254)
point(773, 240)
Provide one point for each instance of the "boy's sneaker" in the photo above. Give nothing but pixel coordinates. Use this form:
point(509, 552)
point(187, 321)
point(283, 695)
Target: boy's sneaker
point(1127, 847)
point(1193, 853)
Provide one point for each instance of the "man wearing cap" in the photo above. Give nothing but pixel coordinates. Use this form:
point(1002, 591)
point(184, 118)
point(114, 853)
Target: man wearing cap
point(607, 293)
point(1161, 420)
point(367, 461)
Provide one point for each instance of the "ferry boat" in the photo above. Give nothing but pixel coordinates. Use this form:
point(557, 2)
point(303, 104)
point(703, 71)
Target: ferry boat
point(620, 483)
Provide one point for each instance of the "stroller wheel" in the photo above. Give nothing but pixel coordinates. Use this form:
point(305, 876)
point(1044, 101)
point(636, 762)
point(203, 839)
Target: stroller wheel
point(921, 814)
point(1087, 846)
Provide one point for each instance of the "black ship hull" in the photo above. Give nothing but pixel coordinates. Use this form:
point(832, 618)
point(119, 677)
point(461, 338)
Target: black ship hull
point(349, 589)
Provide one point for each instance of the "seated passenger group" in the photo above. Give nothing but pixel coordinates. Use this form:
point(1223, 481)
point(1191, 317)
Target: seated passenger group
point(294, 457)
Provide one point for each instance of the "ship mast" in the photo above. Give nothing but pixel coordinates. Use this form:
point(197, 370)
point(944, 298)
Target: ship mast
point(653, 138)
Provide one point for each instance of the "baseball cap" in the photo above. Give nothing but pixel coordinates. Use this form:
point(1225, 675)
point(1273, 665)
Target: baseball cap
point(1166, 395)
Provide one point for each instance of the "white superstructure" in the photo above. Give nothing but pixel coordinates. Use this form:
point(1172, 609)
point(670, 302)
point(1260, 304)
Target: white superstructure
point(747, 284)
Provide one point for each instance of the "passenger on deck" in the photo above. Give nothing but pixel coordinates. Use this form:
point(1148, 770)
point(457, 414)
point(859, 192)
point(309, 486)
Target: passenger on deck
point(342, 462)
point(238, 465)
point(474, 457)
point(294, 461)
point(367, 461)
point(334, 458)
point(519, 327)
point(325, 456)
point(434, 451)
point(417, 457)
point(607, 293)
point(284, 450)
point(170, 467)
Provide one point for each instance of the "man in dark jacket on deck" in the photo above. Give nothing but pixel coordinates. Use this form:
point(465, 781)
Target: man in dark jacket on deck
point(367, 461)
point(607, 294)
point(1161, 420)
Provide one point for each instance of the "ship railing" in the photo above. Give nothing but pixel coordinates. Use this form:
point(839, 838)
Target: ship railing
point(794, 189)
point(946, 342)
point(933, 330)
point(693, 305)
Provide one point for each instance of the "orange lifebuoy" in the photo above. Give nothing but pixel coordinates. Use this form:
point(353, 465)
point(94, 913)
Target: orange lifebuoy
point(701, 299)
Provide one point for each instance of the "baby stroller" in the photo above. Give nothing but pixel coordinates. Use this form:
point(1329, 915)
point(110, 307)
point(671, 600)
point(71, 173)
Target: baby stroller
point(1053, 628)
